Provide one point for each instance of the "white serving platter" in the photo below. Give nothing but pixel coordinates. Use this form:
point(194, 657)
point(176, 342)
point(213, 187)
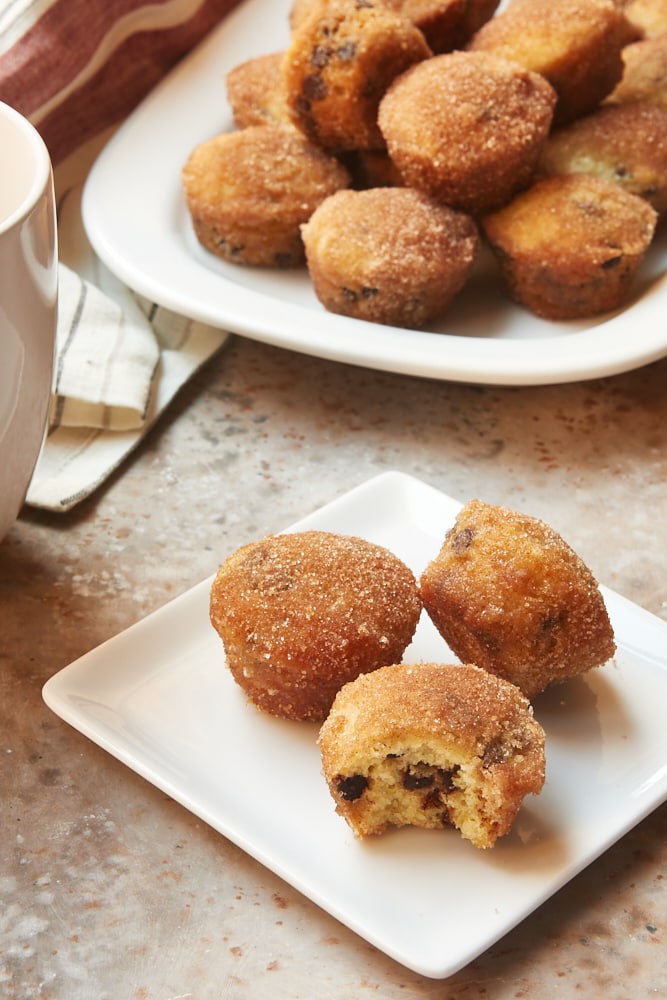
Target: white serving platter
point(159, 698)
point(137, 222)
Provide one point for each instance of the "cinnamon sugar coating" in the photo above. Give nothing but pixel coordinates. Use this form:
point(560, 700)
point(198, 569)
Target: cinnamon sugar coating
point(575, 44)
point(508, 593)
point(623, 143)
point(432, 745)
point(570, 246)
point(255, 91)
point(301, 614)
point(339, 62)
point(388, 255)
point(248, 192)
point(467, 127)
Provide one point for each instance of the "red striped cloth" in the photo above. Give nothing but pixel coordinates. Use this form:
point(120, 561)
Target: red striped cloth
point(74, 67)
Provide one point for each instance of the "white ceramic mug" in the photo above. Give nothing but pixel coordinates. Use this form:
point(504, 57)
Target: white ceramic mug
point(28, 305)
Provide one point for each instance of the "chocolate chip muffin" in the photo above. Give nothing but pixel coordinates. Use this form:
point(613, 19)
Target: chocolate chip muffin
point(300, 614)
point(434, 746)
point(388, 255)
point(570, 246)
point(467, 128)
point(508, 593)
point(339, 63)
point(248, 192)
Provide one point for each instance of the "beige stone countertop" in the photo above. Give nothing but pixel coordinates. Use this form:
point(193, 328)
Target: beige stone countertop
point(108, 888)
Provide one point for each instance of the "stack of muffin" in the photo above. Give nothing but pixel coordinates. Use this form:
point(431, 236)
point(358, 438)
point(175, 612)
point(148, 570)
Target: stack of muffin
point(392, 139)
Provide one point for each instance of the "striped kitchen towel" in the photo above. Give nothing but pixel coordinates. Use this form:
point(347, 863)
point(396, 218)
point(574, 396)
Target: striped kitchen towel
point(120, 360)
point(117, 369)
point(107, 358)
point(75, 67)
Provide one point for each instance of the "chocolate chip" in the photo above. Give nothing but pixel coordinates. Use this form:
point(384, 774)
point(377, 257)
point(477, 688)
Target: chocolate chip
point(461, 540)
point(231, 251)
point(446, 819)
point(495, 753)
point(314, 88)
point(425, 776)
point(347, 52)
point(549, 630)
point(283, 260)
point(432, 800)
point(413, 779)
point(352, 787)
point(320, 57)
point(446, 778)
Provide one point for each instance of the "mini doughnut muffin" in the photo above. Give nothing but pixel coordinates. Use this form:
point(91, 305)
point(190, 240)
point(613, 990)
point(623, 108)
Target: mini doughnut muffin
point(301, 614)
point(446, 24)
point(339, 63)
point(575, 44)
point(255, 91)
point(570, 246)
point(388, 255)
point(440, 21)
point(248, 192)
point(623, 143)
point(467, 127)
point(434, 746)
point(508, 593)
point(644, 77)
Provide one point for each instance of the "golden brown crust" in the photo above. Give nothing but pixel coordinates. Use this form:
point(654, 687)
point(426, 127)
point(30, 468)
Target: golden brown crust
point(388, 255)
point(301, 614)
point(339, 63)
point(626, 144)
point(248, 192)
point(432, 745)
point(467, 127)
point(570, 246)
point(506, 592)
point(255, 91)
point(575, 44)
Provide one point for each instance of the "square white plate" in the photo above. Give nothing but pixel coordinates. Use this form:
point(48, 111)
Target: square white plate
point(137, 222)
point(159, 698)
